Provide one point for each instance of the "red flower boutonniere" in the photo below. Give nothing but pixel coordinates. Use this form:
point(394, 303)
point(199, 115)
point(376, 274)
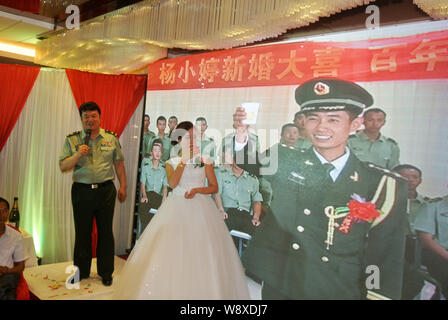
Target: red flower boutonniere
point(359, 211)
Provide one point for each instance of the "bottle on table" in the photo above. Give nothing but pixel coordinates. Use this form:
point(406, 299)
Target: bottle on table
point(14, 215)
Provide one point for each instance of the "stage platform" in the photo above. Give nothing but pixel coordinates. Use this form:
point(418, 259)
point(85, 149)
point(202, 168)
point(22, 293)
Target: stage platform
point(48, 282)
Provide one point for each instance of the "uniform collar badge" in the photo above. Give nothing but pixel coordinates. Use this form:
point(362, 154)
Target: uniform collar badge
point(355, 176)
point(309, 163)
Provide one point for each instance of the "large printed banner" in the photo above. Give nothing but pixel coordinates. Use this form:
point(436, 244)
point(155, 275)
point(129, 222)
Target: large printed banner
point(423, 56)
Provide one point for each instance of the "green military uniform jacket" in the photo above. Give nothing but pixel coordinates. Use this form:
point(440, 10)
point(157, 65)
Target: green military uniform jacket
point(97, 166)
point(145, 145)
point(239, 193)
point(288, 250)
point(269, 161)
point(154, 179)
point(435, 221)
point(207, 146)
point(383, 152)
point(166, 143)
point(417, 207)
point(303, 143)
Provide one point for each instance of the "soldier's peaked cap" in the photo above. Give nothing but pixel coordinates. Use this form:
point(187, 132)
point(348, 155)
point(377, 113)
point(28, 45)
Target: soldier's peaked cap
point(331, 94)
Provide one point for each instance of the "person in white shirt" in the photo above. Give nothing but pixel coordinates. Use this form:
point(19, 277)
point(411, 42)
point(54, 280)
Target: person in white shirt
point(12, 256)
point(245, 146)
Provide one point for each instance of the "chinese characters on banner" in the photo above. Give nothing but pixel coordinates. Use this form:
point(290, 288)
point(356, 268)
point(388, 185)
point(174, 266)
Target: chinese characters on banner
point(414, 57)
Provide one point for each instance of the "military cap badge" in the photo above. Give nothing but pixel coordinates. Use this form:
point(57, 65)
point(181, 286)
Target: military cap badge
point(321, 88)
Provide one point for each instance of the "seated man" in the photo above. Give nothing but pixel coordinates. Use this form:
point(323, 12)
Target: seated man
point(432, 228)
point(238, 193)
point(416, 205)
point(12, 257)
point(415, 200)
point(413, 279)
point(245, 147)
point(154, 185)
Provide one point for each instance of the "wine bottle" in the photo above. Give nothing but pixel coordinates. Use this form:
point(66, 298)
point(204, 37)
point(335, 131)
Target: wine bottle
point(14, 215)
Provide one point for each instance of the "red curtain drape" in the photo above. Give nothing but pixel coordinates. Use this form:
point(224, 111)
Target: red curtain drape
point(22, 5)
point(116, 95)
point(16, 83)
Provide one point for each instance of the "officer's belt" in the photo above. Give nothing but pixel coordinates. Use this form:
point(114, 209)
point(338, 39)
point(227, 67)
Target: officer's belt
point(94, 185)
point(237, 210)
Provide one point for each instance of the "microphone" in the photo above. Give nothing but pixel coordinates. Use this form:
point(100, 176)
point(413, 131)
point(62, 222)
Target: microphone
point(87, 138)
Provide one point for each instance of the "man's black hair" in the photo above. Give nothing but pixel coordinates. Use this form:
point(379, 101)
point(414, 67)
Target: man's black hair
point(89, 106)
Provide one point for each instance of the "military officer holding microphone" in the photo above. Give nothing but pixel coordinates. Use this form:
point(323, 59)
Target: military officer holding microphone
point(94, 155)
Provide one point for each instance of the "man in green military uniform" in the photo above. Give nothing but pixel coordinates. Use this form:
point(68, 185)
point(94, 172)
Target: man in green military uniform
point(147, 135)
point(238, 193)
point(333, 218)
point(154, 184)
point(413, 279)
point(166, 141)
point(287, 147)
point(370, 145)
point(416, 201)
point(172, 123)
point(432, 229)
point(245, 146)
point(93, 154)
point(303, 142)
point(206, 144)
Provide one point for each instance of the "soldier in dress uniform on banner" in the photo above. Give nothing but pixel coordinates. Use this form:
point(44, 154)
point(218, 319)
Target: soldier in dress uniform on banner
point(337, 225)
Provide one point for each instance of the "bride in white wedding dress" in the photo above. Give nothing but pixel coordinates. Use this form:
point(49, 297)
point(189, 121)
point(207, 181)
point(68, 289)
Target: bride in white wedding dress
point(186, 251)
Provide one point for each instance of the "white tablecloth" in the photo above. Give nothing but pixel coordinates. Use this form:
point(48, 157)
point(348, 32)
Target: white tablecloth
point(49, 282)
point(29, 249)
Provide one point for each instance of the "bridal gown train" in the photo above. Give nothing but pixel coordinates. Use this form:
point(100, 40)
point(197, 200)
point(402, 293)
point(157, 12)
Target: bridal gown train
point(185, 252)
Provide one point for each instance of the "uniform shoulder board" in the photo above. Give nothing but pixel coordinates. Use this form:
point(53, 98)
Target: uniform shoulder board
point(112, 133)
point(392, 140)
point(385, 171)
point(73, 134)
point(431, 200)
point(251, 175)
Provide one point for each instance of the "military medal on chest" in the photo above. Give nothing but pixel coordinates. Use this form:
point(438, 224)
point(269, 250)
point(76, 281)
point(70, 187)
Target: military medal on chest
point(333, 214)
point(358, 210)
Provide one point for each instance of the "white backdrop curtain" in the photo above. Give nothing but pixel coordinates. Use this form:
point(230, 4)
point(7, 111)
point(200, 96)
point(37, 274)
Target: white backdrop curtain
point(29, 168)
